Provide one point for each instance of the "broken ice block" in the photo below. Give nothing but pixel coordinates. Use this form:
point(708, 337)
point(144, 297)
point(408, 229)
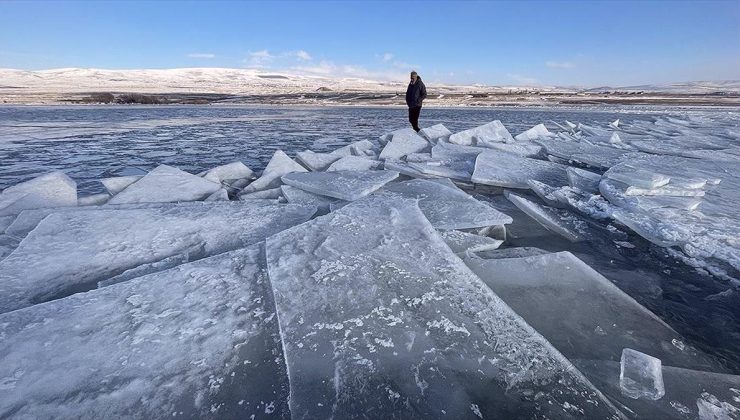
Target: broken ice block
point(298, 196)
point(117, 184)
point(436, 133)
point(582, 152)
point(564, 223)
point(54, 189)
point(317, 161)
point(402, 144)
point(463, 242)
point(93, 200)
point(493, 132)
point(271, 194)
point(511, 171)
point(344, 185)
point(638, 177)
point(279, 165)
point(448, 207)
point(166, 184)
point(583, 180)
point(641, 376)
point(221, 195)
point(523, 149)
point(354, 163)
point(234, 170)
point(535, 132)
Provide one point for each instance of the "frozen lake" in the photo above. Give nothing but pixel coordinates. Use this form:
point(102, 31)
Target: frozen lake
point(89, 143)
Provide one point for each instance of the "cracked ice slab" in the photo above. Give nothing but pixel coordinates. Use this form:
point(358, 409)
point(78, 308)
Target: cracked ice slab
point(580, 151)
point(70, 252)
point(377, 315)
point(561, 222)
point(448, 207)
point(279, 165)
point(493, 132)
point(195, 340)
point(354, 163)
point(117, 184)
point(506, 170)
point(436, 133)
point(402, 143)
point(234, 170)
point(463, 242)
point(54, 189)
point(165, 184)
point(344, 185)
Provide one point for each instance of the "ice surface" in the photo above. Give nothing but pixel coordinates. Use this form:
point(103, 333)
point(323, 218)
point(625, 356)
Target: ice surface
point(344, 185)
point(516, 252)
point(404, 168)
point(166, 184)
point(561, 222)
point(317, 161)
point(611, 188)
point(535, 132)
point(388, 320)
point(579, 311)
point(221, 195)
point(463, 242)
point(298, 196)
point(93, 200)
point(54, 189)
point(119, 183)
point(636, 176)
point(448, 207)
point(524, 149)
point(71, 251)
point(436, 133)
point(641, 375)
point(584, 180)
point(199, 341)
point(507, 170)
point(493, 132)
point(403, 143)
point(279, 165)
point(271, 194)
point(582, 152)
point(354, 163)
point(234, 170)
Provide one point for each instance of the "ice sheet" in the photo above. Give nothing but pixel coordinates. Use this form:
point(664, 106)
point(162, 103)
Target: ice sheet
point(582, 179)
point(71, 251)
point(448, 207)
point(54, 189)
point(234, 170)
point(636, 176)
point(354, 163)
point(344, 185)
point(493, 132)
point(420, 334)
point(435, 133)
point(533, 133)
point(561, 222)
point(463, 242)
point(117, 184)
point(640, 376)
point(93, 200)
point(279, 165)
point(298, 196)
point(403, 143)
point(197, 341)
point(507, 170)
point(582, 152)
point(165, 184)
point(317, 161)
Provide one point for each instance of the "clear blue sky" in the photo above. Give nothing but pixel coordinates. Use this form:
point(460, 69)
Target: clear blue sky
point(587, 43)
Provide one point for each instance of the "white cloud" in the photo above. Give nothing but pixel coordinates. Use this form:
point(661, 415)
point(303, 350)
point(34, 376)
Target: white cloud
point(259, 59)
point(560, 64)
point(301, 55)
point(330, 69)
point(387, 57)
point(522, 79)
point(201, 55)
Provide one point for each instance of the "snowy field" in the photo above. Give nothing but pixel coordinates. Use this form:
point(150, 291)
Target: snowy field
point(509, 263)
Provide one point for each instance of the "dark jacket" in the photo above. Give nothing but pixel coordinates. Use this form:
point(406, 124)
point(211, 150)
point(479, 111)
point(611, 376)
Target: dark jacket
point(416, 93)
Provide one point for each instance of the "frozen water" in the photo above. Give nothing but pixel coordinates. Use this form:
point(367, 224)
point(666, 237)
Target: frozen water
point(354, 163)
point(404, 168)
point(463, 242)
point(436, 133)
point(166, 184)
point(484, 135)
point(155, 267)
point(119, 183)
point(507, 170)
point(279, 165)
point(583, 180)
point(221, 195)
point(234, 170)
point(638, 177)
point(582, 152)
point(70, 251)
point(524, 149)
point(615, 188)
point(641, 375)
point(420, 334)
point(270, 194)
point(298, 196)
point(403, 143)
point(317, 161)
point(344, 185)
point(533, 133)
point(194, 340)
point(54, 189)
point(561, 222)
point(579, 311)
point(448, 207)
point(93, 200)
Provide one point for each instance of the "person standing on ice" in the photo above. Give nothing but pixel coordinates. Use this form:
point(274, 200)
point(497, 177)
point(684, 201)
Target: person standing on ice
point(415, 94)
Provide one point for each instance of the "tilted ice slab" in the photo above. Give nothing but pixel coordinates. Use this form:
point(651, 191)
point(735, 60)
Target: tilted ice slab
point(641, 376)
point(507, 170)
point(234, 170)
point(279, 165)
point(378, 316)
point(271, 194)
point(448, 207)
point(402, 132)
point(317, 161)
point(568, 197)
point(493, 132)
point(463, 242)
point(54, 189)
point(636, 176)
point(561, 222)
point(436, 133)
point(616, 193)
point(404, 168)
point(71, 251)
point(344, 185)
point(199, 340)
point(354, 163)
point(403, 143)
point(298, 196)
point(579, 151)
point(524, 149)
point(459, 169)
point(165, 184)
point(533, 133)
point(579, 311)
point(117, 184)
point(582, 179)
point(93, 200)
point(611, 187)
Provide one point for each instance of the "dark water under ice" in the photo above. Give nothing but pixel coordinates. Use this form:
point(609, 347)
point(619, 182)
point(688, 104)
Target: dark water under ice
point(93, 142)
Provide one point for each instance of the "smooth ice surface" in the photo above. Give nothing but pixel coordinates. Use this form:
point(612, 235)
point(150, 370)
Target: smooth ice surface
point(165, 184)
point(354, 163)
point(317, 161)
point(463, 242)
point(448, 207)
point(506, 170)
point(344, 185)
point(535, 132)
point(583, 180)
point(493, 132)
point(640, 375)
point(638, 177)
point(200, 341)
point(279, 165)
point(298, 196)
point(234, 170)
point(403, 143)
point(377, 315)
point(54, 189)
point(71, 251)
point(117, 184)
point(561, 222)
point(579, 311)
point(436, 133)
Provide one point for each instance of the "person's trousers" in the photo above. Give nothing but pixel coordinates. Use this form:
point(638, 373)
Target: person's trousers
point(414, 112)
